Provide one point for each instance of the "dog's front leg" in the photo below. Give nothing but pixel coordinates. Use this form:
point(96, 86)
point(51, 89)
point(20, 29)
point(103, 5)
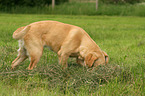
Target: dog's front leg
point(80, 61)
point(63, 60)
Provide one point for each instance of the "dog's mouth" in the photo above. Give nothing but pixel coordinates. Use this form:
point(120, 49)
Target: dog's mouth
point(96, 64)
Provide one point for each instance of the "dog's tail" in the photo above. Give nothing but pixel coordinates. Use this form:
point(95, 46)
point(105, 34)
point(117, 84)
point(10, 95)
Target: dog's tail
point(20, 32)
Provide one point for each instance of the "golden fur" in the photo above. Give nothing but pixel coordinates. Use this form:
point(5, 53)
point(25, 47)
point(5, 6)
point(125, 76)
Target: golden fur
point(64, 39)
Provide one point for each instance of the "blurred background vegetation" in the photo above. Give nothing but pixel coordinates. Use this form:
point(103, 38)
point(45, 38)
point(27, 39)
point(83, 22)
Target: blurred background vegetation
point(74, 7)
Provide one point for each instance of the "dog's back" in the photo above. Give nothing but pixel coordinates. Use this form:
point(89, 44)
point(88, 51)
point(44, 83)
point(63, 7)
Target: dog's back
point(48, 31)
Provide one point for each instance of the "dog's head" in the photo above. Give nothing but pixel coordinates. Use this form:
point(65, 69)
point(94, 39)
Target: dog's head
point(94, 59)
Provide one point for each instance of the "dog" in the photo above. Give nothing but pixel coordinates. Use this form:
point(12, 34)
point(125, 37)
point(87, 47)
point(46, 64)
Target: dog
point(64, 39)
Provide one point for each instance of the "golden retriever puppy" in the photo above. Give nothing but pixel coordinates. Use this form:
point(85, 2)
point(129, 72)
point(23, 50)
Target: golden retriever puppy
point(64, 39)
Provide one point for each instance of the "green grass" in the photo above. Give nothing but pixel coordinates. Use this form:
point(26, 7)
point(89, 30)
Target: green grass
point(122, 38)
point(80, 9)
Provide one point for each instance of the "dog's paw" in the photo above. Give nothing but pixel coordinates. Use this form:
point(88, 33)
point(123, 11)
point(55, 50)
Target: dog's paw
point(13, 67)
point(30, 68)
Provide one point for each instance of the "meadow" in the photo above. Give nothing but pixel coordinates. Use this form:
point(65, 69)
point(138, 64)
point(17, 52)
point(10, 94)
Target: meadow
point(122, 38)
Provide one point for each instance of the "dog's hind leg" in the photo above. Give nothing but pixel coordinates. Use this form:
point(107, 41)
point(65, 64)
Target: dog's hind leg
point(21, 57)
point(16, 59)
point(34, 58)
point(35, 51)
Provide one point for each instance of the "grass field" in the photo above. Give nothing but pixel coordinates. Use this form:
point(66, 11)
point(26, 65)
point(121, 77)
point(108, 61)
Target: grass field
point(122, 38)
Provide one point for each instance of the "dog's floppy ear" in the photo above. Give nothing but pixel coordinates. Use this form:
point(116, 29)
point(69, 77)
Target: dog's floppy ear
point(89, 59)
point(106, 57)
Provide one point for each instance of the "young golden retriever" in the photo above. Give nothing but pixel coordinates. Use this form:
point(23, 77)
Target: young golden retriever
point(64, 39)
